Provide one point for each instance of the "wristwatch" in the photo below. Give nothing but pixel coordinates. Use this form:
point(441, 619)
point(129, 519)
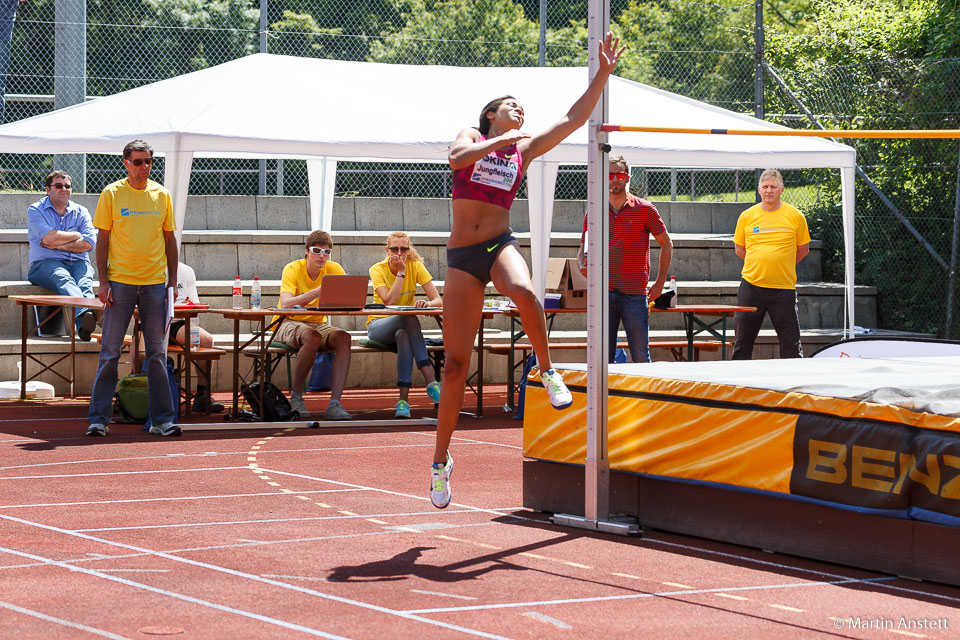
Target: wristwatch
point(401, 275)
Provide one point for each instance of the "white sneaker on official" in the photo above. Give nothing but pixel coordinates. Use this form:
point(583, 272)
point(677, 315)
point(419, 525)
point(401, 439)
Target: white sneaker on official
point(560, 396)
point(440, 489)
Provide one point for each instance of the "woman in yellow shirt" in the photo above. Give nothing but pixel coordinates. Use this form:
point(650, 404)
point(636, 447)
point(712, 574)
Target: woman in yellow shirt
point(395, 280)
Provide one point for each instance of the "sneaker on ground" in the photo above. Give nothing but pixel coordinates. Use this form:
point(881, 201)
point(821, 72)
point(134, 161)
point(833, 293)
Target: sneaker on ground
point(98, 429)
point(166, 429)
point(296, 404)
point(403, 409)
point(440, 489)
point(336, 412)
point(433, 390)
point(88, 324)
point(203, 402)
point(560, 396)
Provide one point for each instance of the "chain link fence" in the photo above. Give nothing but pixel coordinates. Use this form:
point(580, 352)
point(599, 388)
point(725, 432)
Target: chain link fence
point(906, 211)
point(703, 50)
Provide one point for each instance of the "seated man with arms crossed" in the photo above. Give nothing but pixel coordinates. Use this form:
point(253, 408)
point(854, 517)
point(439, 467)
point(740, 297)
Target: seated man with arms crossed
point(300, 287)
point(61, 234)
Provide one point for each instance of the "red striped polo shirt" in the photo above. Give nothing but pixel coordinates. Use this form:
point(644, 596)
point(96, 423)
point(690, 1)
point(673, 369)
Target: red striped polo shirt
point(630, 231)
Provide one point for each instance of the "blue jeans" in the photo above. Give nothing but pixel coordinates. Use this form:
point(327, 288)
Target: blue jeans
point(632, 309)
point(404, 332)
point(150, 300)
point(8, 12)
point(66, 277)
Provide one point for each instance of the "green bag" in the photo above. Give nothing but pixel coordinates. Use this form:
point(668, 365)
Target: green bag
point(132, 397)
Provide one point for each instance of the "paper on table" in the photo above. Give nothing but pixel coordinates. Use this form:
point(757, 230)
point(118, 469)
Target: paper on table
point(170, 300)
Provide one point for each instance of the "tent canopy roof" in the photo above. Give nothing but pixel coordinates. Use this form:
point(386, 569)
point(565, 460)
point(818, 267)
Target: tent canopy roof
point(267, 105)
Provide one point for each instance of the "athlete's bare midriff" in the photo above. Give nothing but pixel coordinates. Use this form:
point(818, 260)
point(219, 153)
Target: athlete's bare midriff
point(475, 222)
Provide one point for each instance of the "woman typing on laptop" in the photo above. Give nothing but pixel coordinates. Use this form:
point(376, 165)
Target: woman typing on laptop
point(300, 286)
point(395, 280)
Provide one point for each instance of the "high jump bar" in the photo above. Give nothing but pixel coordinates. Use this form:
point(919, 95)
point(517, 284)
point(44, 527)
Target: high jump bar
point(809, 133)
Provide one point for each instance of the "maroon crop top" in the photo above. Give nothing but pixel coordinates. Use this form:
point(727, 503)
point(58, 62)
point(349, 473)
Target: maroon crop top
point(494, 178)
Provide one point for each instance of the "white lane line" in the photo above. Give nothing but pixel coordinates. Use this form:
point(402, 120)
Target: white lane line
point(636, 596)
point(180, 596)
point(780, 565)
point(443, 595)
point(786, 608)
point(309, 578)
point(544, 618)
point(120, 473)
point(61, 621)
point(503, 512)
point(345, 516)
point(135, 570)
point(233, 572)
point(87, 503)
point(213, 453)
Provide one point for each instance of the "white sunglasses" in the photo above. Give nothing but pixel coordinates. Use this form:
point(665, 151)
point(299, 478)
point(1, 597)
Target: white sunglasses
point(320, 251)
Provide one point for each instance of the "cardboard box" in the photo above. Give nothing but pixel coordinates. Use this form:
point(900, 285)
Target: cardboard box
point(564, 277)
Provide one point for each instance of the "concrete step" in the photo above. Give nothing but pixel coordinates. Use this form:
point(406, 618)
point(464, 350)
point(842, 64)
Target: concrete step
point(218, 255)
point(292, 213)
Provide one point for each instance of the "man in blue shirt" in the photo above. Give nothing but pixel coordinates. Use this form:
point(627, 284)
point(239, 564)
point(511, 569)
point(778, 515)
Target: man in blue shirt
point(61, 234)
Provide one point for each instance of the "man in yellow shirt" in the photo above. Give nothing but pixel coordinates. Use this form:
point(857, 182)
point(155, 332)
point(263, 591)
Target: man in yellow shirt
point(135, 242)
point(771, 238)
point(300, 287)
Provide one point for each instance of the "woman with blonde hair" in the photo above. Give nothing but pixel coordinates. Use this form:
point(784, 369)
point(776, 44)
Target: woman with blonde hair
point(488, 162)
point(395, 280)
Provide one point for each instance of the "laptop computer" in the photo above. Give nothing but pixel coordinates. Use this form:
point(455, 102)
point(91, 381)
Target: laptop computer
point(342, 293)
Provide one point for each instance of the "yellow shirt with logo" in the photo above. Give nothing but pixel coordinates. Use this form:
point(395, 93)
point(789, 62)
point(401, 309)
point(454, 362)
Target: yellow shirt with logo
point(771, 239)
point(295, 281)
point(381, 276)
point(136, 220)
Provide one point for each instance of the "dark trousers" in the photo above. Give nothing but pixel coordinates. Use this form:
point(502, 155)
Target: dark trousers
point(781, 304)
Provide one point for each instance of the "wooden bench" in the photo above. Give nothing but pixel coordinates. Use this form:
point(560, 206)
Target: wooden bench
point(277, 351)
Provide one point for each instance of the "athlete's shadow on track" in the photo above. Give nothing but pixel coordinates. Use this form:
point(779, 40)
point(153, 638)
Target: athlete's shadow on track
point(404, 565)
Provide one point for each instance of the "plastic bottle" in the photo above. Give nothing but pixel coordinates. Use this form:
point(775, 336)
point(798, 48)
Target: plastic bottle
point(255, 294)
point(237, 294)
point(194, 334)
point(673, 287)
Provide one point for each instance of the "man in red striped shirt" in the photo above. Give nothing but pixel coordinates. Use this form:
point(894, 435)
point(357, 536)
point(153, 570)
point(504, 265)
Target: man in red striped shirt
point(632, 222)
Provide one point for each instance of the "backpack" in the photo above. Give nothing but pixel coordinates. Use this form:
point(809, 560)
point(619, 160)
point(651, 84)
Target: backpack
point(276, 407)
point(132, 397)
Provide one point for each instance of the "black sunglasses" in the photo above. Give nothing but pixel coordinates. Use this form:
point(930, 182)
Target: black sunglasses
point(61, 185)
point(398, 249)
point(140, 161)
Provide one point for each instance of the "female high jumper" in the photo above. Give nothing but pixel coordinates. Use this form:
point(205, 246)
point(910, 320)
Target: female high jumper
point(488, 163)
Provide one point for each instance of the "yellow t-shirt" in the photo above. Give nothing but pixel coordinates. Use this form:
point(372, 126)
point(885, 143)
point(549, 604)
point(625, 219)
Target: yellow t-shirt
point(771, 239)
point(296, 281)
point(381, 276)
point(136, 219)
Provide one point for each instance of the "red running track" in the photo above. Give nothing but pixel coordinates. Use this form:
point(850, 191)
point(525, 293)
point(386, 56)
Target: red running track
point(329, 533)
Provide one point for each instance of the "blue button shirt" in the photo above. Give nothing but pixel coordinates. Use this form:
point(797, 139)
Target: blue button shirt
point(42, 218)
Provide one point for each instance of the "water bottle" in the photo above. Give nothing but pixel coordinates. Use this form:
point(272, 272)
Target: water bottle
point(237, 294)
point(673, 287)
point(194, 334)
point(255, 294)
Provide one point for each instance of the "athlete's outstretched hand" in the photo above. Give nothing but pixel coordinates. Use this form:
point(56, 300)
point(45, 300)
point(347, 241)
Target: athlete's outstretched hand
point(609, 54)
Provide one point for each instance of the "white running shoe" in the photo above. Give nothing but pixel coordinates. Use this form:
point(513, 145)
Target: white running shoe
point(560, 396)
point(440, 491)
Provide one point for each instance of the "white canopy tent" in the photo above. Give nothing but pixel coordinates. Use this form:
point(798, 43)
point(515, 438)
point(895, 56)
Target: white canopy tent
point(269, 106)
